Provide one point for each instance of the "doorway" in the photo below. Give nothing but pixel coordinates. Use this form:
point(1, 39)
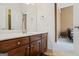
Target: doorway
point(63, 27)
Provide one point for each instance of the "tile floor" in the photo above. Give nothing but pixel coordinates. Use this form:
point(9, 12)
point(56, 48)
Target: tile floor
point(62, 47)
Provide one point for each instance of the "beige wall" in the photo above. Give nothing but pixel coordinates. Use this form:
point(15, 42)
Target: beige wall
point(66, 18)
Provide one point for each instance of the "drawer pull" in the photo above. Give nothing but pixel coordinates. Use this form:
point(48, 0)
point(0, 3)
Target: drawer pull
point(19, 43)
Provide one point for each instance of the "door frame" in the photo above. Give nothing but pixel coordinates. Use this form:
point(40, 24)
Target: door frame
point(55, 9)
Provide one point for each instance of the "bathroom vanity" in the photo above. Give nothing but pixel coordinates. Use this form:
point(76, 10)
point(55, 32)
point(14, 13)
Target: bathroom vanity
point(25, 31)
point(24, 45)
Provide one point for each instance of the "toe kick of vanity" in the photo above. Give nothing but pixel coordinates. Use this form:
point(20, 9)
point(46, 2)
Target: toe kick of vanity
point(33, 45)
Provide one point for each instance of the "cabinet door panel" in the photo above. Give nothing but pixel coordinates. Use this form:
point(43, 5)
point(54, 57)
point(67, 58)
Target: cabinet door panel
point(35, 48)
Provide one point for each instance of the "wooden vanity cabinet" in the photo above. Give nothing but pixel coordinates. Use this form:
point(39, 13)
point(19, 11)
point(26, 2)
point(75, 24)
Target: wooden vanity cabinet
point(33, 45)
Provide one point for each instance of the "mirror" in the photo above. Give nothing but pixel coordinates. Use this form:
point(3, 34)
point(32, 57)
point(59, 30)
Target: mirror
point(9, 19)
point(11, 15)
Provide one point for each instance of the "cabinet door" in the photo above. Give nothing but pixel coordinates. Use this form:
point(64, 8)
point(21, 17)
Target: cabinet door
point(35, 49)
point(27, 50)
point(44, 43)
point(18, 51)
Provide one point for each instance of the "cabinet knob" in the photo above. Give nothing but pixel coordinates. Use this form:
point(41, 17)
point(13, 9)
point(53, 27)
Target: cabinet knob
point(19, 43)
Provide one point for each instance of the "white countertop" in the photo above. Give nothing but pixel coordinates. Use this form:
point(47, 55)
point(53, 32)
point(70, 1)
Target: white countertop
point(7, 36)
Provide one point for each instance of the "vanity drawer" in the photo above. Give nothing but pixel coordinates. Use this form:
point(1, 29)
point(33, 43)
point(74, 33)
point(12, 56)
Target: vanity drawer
point(8, 45)
point(35, 37)
point(13, 43)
